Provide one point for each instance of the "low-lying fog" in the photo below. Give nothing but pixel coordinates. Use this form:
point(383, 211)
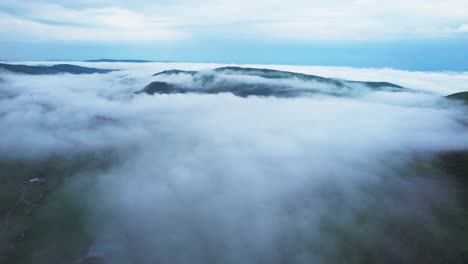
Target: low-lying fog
point(224, 179)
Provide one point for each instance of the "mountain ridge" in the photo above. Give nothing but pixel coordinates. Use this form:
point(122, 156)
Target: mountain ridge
point(54, 69)
point(219, 80)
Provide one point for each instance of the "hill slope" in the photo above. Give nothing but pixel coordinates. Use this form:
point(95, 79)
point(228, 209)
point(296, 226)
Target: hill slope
point(462, 96)
point(54, 69)
point(259, 82)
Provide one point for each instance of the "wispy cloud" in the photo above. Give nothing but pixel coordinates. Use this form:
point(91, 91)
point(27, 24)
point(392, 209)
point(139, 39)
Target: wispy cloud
point(296, 19)
point(463, 28)
point(53, 22)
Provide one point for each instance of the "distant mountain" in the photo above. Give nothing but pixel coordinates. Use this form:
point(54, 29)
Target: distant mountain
point(54, 69)
point(261, 82)
point(112, 60)
point(462, 96)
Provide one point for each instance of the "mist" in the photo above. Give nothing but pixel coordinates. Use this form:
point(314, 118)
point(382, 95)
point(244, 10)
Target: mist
point(217, 178)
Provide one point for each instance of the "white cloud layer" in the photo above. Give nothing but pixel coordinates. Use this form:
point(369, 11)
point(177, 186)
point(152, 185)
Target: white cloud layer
point(219, 178)
point(298, 19)
point(442, 83)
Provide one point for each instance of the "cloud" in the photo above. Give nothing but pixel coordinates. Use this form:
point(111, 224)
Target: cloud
point(46, 22)
point(442, 83)
point(463, 28)
point(219, 178)
point(366, 20)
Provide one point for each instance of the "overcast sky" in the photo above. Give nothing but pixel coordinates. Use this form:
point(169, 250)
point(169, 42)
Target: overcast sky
point(411, 34)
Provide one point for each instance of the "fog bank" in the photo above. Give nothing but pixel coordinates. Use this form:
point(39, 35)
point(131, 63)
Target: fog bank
point(222, 179)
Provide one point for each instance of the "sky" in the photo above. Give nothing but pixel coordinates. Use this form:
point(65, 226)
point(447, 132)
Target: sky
point(412, 35)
